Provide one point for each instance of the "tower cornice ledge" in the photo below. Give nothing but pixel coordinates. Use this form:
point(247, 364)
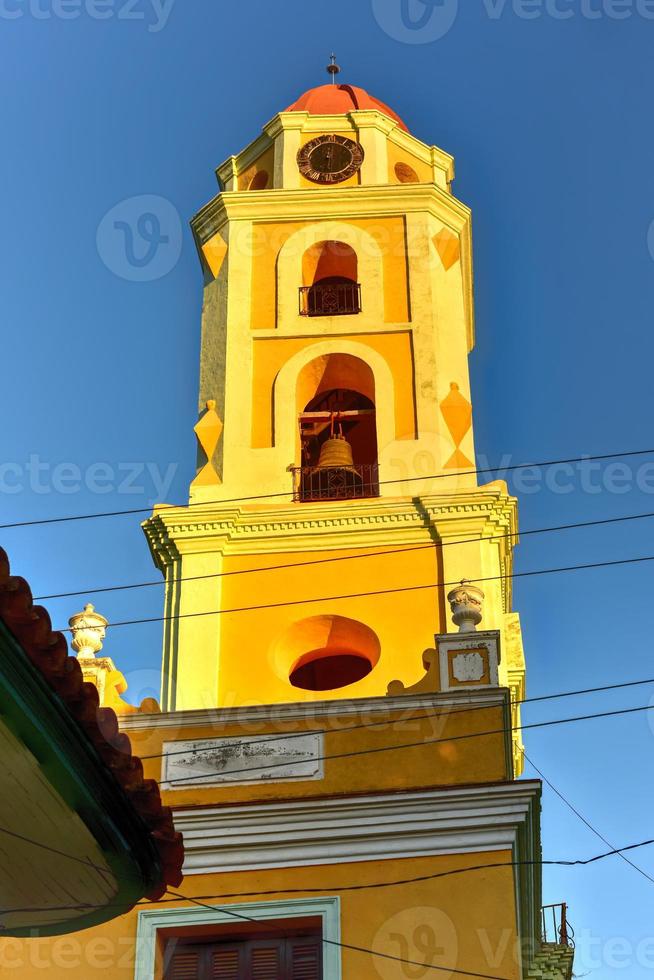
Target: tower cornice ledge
point(253, 715)
point(286, 527)
point(358, 119)
point(344, 203)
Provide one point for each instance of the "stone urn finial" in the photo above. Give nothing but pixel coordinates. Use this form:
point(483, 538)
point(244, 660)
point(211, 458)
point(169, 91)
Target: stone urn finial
point(88, 629)
point(465, 601)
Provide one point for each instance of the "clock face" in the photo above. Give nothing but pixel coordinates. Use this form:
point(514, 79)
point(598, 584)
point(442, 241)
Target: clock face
point(329, 159)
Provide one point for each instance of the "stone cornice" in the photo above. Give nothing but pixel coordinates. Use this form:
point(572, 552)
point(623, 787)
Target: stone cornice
point(356, 119)
point(287, 527)
point(263, 715)
point(235, 165)
point(372, 827)
point(345, 203)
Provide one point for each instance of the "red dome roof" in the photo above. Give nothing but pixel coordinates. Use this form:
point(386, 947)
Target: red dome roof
point(329, 100)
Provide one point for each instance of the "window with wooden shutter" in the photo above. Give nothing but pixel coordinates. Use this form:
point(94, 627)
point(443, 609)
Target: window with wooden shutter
point(266, 959)
point(305, 958)
point(289, 957)
point(226, 963)
point(184, 965)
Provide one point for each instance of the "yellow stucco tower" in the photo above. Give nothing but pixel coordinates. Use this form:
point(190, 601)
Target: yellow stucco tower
point(340, 759)
point(335, 494)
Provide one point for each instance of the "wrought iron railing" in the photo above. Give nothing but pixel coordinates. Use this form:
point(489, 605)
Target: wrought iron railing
point(555, 927)
point(330, 299)
point(335, 483)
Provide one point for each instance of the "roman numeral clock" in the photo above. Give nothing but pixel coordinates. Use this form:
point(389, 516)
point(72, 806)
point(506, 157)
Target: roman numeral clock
point(330, 159)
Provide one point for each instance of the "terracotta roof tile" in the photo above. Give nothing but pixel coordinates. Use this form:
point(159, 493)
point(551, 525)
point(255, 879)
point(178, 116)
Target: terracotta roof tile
point(48, 651)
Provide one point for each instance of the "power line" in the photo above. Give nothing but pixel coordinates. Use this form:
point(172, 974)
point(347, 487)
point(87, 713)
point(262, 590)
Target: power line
point(583, 818)
point(53, 850)
point(357, 949)
point(569, 862)
point(190, 780)
point(360, 595)
point(339, 558)
point(285, 494)
point(419, 716)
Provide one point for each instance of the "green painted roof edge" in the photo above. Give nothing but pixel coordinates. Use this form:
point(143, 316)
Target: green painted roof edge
point(41, 720)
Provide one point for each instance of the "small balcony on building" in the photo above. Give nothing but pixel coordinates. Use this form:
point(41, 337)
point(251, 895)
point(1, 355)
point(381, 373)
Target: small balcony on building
point(338, 437)
point(329, 275)
point(555, 926)
point(330, 297)
point(311, 483)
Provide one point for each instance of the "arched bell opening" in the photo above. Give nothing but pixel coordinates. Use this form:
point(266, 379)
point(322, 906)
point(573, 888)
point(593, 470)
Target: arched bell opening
point(321, 671)
point(337, 430)
point(330, 280)
point(324, 653)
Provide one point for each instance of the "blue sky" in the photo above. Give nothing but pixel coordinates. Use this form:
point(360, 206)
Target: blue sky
point(549, 119)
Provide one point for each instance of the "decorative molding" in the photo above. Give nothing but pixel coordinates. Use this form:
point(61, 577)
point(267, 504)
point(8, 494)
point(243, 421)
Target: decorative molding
point(281, 527)
point(235, 165)
point(376, 200)
point(349, 829)
point(328, 909)
point(459, 653)
point(208, 431)
point(301, 756)
point(468, 667)
point(315, 712)
point(357, 118)
point(286, 204)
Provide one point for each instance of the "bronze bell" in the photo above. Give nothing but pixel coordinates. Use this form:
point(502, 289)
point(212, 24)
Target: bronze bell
point(335, 477)
point(336, 452)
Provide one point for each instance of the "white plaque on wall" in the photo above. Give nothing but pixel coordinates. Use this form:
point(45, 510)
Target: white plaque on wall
point(243, 759)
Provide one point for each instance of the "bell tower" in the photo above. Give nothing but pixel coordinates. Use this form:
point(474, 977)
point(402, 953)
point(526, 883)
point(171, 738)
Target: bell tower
point(335, 503)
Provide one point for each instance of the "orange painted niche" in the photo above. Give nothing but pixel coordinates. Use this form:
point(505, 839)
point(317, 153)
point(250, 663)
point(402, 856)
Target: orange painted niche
point(324, 653)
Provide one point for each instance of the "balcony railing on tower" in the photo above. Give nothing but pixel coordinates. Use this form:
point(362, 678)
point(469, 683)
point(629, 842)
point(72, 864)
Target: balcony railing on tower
point(335, 482)
point(330, 299)
point(555, 927)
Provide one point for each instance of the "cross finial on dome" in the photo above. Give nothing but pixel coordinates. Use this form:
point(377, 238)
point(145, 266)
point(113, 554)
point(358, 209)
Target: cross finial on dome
point(332, 68)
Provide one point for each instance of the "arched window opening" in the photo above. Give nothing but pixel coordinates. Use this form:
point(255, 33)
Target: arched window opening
point(330, 286)
point(338, 438)
point(260, 181)
point(323, 653)
point(406, 174)
point(320, 671)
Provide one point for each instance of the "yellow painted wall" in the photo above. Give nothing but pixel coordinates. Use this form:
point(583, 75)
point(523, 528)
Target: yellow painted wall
point(405, 622)
point(475, 914)
point(268, 238)
point(433, 761)
point(397, 154)
point(265, 162)
point(232, 658)
point(270, 355)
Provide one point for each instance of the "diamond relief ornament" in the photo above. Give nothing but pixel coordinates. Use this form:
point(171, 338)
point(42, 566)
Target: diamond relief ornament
point(208, 432)
point(457, 412)
point(448, 248)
